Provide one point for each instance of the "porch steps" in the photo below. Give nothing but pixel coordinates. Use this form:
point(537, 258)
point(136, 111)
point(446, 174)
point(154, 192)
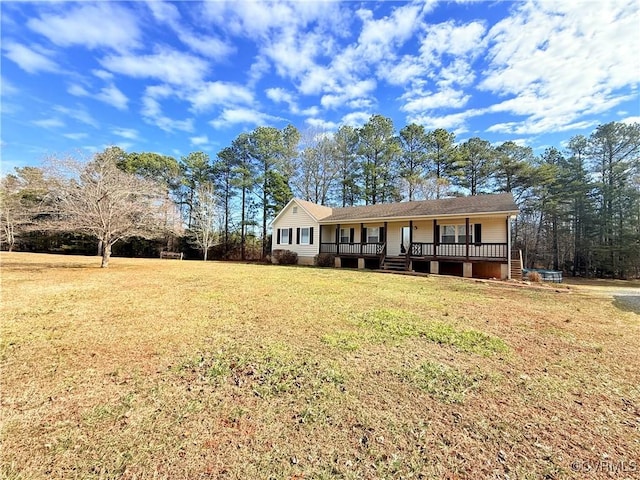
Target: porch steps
point(516, 265)
point(394, 264)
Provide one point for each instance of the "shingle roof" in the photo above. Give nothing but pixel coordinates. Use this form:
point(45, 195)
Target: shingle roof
point(318, 211)
point(501, 202)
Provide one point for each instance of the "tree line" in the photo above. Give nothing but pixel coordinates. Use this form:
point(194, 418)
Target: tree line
point(580, 204)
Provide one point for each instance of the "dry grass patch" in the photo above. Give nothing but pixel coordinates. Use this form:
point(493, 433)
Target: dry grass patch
point(164, 369)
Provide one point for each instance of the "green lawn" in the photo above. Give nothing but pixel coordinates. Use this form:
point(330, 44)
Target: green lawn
point(155, 369)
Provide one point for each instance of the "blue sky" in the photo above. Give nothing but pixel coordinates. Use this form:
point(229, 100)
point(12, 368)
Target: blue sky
point(176, 77)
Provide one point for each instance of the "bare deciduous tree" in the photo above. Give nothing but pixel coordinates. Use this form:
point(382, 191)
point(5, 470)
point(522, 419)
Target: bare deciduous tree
point(206, 216)
point(21, 196)
point(99, 199)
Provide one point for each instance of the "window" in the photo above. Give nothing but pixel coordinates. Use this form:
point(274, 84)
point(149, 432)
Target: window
point(345, 235)
point(373, 235)
point(295, 210)
point(462, 234)
point(284, 236)
point(455, 233)
point(448, 233)
point(305, 235)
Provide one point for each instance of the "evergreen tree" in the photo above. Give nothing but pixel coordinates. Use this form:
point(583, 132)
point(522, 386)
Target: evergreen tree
point(379, 150)
point(414, 159)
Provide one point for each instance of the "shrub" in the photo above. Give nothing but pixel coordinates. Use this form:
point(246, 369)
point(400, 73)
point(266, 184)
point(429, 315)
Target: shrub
point(285, 257)
point(325, 260)
point(534, 277)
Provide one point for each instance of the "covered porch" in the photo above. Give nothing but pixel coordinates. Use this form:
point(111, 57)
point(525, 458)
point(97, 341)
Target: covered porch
point(465, 246)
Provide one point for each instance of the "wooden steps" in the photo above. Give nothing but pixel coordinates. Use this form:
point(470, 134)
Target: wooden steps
point(516, 265)
point(394, 264)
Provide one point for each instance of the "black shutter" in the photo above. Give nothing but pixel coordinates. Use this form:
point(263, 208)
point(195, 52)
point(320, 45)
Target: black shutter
point(298, 236)
point(477, 233)
point(278, 235)
point(352, 232)
point(436, 235)
point(381, 239)
point(364, 235)
point(311, 236)
point(290, 236)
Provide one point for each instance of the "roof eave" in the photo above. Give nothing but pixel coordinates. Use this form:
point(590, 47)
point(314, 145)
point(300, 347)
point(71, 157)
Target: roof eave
point(421, 217)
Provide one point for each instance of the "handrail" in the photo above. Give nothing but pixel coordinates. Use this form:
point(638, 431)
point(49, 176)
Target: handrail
point(383, 254)
point(458, 250)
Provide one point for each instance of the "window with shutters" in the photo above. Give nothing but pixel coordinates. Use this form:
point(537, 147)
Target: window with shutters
point(455, 233)
point(284, 236)
point(305, 236)
point(373, 235)
point(345, 235)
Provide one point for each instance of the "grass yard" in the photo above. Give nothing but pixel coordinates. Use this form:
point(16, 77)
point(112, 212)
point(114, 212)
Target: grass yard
point(159, 369)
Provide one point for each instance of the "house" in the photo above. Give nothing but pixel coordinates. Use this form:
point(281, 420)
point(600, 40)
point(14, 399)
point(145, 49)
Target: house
point(464, 236)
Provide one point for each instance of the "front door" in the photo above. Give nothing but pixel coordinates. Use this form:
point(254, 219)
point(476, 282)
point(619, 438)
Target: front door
point(406, 239)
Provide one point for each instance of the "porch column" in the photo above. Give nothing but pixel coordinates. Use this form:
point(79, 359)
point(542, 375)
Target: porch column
point(435, 267)
point(338, 239)
point(361, 263)
point(508, 229)
point(362, 240)
point(466, 237)
point(436, 240)
point(385, 238)
point(319, 239)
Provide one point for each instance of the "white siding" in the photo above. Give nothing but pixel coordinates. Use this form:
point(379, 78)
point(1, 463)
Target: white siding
point(300, 219)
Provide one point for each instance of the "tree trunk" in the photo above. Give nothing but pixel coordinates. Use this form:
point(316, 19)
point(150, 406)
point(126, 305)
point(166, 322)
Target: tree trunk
point(106, 254)
point(100, 248)
point(206, 251)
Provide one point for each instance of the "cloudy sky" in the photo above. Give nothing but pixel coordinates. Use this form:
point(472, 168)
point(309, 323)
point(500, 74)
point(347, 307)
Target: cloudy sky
point(176, 77)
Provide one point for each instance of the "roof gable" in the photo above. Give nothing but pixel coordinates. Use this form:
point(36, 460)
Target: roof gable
point(315, 211)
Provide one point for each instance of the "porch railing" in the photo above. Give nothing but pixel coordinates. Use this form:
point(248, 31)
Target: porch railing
point(357, 249)
point(459, 250)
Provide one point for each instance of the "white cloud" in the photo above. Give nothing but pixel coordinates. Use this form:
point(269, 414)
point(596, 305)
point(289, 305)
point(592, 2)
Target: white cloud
point(8, 88)
point(78, 90)
point(354, 91)
point(560, 61)
point(167, 65)
point(457, 122)
point(102, 74)
point(199, 140)
point(109, 94)
point(425, 101)
point(113, 96)
point(453, 39)
point(152, 110)
point(78, 113)
point(129, 133)
point(279, 95)
point(233, 116)
point(356, 119)
point(321, 124)
point(211, 94)
point(28, 59)
point(634, 119)
point(91, 25)
point(207, 45)
point(76, 136)
point(49, 123)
